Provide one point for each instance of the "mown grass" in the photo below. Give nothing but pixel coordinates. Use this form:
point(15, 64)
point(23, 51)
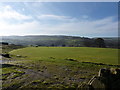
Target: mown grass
point(82, 54)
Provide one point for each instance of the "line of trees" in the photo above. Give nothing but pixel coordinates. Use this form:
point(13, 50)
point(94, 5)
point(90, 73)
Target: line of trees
point(98, 42)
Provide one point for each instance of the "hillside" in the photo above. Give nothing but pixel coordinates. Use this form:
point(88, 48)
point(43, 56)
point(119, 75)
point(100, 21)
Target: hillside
point(58, 40)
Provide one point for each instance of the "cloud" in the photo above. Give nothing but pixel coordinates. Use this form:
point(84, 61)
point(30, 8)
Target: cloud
point(88, 28)
point(7, 13)
point(67, 25)
point(56, 18)
point(51, 16)
point(106, 26)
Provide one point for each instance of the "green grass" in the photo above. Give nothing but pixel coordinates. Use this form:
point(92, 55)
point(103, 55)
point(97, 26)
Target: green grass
point(82, 54)
point(7, 71)
point(8, 48)
point(63, 66)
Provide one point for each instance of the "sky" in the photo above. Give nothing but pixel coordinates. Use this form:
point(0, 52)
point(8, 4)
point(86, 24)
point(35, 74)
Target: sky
point(87, 19)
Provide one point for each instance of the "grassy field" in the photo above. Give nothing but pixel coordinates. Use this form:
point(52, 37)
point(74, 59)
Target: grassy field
point(82, 54)
point(54, 67)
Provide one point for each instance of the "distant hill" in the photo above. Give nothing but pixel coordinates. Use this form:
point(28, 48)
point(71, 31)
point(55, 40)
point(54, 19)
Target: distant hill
point(58, 40)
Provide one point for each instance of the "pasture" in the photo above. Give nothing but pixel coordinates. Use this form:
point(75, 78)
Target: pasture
point(55, 67)
point(81, 54)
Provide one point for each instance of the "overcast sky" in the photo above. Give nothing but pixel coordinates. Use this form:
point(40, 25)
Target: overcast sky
point(88, 19)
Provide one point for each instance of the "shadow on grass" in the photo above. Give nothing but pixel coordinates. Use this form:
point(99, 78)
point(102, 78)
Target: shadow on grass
point(6, 65)
point(101, 64)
